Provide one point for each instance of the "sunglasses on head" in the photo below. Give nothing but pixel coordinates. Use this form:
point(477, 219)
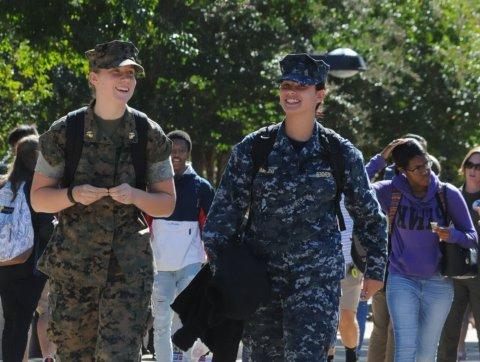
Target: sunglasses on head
point(470, 165)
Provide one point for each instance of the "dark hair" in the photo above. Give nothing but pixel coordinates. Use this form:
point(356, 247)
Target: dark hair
point(23, 166)
point(21, 131)
point(181, 135)
point(436, 166)
point(319, 106)
point(403, 153)
point(423, 142)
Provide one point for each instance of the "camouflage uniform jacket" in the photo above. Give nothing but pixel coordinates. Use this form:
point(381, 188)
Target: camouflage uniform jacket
point(293, 207)
point(81, 246)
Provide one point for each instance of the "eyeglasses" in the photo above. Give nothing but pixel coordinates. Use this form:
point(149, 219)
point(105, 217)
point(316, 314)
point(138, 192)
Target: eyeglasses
point(427, 166)
point(470, 165)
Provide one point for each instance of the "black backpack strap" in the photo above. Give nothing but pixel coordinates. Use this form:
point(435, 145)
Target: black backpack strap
point(139, 149)
point(441, 197)
point(262, 146)
point(75, 124)
point(331, 142)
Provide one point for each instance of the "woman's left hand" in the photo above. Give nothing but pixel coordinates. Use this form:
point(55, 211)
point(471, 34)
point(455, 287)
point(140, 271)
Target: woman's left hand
point(123, 193)
point(442, 232)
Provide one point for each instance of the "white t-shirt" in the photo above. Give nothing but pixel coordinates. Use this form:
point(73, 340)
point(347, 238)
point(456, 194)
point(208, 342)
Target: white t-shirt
point(346, 234)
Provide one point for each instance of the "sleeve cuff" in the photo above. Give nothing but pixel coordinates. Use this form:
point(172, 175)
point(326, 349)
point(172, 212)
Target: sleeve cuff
point(160, 171)
point(47, 170)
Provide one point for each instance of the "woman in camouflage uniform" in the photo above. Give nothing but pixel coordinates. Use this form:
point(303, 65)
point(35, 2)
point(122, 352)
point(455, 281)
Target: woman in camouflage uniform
point(98, 260)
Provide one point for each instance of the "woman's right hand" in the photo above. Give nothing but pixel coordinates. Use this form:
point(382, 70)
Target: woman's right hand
point(388, 150)
point(88, 194)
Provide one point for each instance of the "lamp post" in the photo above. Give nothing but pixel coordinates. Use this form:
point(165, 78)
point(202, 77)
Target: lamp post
point(343, 62)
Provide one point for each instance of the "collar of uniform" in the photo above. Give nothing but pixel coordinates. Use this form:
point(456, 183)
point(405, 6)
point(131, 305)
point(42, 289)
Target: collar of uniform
point(312, 147)
point(127, 128)
point(129, 131)
point(91, 131)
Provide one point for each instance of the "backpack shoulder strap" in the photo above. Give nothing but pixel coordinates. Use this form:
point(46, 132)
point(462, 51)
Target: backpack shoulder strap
point(75, 124)
point(262, 146)
point(331, 141)
point(395, 198)
point(139, 149)
point(441, 197)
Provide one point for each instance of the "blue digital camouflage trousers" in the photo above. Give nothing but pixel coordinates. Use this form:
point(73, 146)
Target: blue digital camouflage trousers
point(300, 322)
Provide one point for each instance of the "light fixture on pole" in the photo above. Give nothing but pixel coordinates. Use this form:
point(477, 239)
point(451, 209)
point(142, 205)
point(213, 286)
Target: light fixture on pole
point(343, 62)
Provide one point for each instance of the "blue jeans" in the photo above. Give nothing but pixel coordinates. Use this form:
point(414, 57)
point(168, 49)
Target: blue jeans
point(167, 285)
point(362, 313)
point(418, 308)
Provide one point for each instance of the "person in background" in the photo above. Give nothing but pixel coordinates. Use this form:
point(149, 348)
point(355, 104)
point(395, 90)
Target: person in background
point(382, 343)
point(14, 136)
point(351, 287)
point(177, 245)
point(466, 291)
point(362, 314)
point(418, 297)
point(20, 284)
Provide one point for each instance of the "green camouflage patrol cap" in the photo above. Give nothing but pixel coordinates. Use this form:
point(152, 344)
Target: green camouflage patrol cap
point(115, 53)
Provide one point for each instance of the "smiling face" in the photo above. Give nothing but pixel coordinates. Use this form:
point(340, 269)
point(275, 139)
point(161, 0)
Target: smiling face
point(180, 155)
point(297, 99)
point(114, 84)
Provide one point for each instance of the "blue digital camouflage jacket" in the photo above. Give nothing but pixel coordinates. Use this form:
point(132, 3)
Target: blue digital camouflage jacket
point(293, 206)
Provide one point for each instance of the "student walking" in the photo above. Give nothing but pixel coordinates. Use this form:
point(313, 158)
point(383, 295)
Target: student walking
point(99, 262)
point(418, 297)
point(292, 199)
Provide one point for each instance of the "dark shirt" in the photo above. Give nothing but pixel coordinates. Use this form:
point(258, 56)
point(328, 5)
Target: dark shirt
point(469, 199)
point(297, 145)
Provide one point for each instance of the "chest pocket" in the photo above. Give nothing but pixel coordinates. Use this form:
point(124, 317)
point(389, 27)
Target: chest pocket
point(290, 190)
point(105, 165)
point(319, 182)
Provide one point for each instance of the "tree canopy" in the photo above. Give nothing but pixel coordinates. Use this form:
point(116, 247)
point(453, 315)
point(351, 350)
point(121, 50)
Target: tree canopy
point(212, 66)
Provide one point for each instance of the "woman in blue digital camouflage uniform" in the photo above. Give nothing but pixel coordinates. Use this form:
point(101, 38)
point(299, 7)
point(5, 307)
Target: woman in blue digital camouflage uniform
point(293, 219)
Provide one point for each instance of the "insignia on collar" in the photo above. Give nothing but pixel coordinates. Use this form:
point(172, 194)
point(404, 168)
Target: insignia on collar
point(131, 135)
point(89, 134)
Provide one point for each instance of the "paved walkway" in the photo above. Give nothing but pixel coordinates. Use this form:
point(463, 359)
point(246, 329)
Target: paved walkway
point(473, 354)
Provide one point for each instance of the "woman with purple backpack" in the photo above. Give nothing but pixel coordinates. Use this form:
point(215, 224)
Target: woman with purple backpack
point(418, 205)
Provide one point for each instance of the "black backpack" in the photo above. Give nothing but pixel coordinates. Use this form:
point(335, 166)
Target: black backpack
point(74, 143)
point(331, 141)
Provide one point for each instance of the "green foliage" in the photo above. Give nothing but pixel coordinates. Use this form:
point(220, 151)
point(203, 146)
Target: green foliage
point(211, 66)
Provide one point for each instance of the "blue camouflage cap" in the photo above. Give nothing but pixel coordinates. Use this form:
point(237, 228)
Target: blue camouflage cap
point(302, 68)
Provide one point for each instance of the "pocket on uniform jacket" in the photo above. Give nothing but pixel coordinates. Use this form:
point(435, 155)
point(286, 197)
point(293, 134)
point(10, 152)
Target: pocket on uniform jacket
point(322, 184)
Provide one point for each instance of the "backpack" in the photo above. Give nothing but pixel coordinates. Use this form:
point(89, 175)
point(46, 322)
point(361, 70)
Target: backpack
point(16, 229)
point(75, 124)
point(263, 143)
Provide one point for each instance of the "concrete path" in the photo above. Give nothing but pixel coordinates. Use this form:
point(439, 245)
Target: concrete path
point(473, 354)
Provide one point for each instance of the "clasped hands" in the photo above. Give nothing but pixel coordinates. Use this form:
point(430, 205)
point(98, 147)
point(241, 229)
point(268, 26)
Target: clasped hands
point(88, 194)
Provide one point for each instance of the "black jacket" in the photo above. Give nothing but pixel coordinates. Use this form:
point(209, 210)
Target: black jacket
point(214, 307)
